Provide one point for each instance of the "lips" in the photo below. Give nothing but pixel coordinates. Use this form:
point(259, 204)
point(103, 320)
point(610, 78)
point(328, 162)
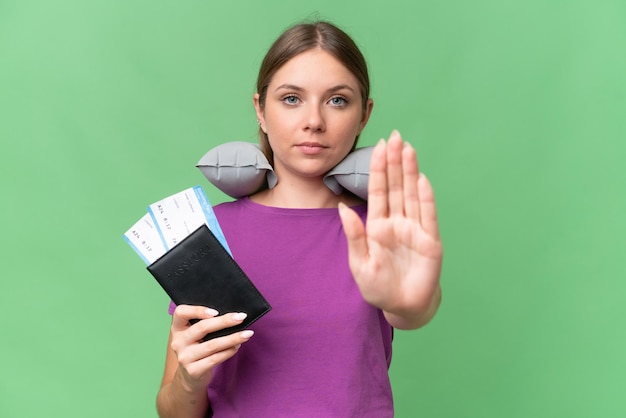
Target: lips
point(310, 144)
point(311, 148)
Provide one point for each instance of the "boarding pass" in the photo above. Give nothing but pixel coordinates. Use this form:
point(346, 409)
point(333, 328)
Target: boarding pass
point(169, 221)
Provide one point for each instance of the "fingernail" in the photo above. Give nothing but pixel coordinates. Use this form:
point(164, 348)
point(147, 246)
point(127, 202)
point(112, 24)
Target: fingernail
point(247, 334)
point(211, 312)
point(240, 316)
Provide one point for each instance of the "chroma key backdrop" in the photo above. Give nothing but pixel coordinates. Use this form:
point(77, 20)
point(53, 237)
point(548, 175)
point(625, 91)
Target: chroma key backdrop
point(516, 109)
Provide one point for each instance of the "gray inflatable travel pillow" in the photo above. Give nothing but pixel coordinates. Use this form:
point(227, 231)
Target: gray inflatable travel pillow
point(241, 169)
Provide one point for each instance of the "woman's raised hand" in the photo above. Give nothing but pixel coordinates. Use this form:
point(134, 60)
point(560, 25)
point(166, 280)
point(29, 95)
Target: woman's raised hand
point(396, 257)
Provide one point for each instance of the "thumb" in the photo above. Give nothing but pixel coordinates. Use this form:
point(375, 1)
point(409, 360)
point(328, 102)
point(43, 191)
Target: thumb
point(355, 234)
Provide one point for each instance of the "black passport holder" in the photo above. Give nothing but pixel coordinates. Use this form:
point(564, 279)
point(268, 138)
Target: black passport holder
point(199, 271)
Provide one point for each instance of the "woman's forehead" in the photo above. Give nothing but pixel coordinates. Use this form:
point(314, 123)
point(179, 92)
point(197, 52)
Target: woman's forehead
point(315, 68)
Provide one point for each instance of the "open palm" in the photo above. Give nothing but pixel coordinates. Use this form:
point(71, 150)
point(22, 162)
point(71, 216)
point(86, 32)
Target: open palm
point(396, 258)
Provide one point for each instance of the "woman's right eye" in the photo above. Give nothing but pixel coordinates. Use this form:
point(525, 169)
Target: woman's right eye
point(290, 100)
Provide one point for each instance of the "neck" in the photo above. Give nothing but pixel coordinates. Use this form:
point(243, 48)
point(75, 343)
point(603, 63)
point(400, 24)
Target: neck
point(303, 194)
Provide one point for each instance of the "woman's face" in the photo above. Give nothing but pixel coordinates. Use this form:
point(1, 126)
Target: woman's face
point(312, 115)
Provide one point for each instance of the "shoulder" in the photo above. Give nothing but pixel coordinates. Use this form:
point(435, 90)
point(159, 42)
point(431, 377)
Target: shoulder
point(227, 206)
point(226, 211)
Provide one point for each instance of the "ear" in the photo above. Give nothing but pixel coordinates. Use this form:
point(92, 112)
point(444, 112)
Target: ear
point(259, 112)
point(369, 106)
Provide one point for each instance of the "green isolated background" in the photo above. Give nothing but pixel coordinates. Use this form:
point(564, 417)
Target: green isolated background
point(517, 110)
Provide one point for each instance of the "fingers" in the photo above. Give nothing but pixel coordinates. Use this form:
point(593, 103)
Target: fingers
point(207, 321)
point(209, 353)
point(428, 215)
point(377, 183)
point(207, 326)
point(195, 356)
point(393, 183)
point(186, 313)
point(207, 356)
point(395, 179)
point(411, 176)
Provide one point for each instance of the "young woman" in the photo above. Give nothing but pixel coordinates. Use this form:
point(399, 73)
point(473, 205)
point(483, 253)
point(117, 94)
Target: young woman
point(337, 288)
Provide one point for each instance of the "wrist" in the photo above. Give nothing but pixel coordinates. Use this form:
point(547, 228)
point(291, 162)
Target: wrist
point(412, 317)
point(190, 385)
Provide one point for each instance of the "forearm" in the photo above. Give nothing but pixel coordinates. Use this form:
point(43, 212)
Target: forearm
point(175, 399)
point(408, 319)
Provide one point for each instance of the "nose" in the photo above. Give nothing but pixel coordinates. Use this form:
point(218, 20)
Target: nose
point(314, 119)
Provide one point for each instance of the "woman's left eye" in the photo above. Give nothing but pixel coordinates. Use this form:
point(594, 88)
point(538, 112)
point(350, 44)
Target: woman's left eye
point(290, 100)
point(338, 101)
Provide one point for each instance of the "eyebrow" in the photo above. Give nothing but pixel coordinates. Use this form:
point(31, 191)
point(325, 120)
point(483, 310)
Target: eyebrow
point(298, 88)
